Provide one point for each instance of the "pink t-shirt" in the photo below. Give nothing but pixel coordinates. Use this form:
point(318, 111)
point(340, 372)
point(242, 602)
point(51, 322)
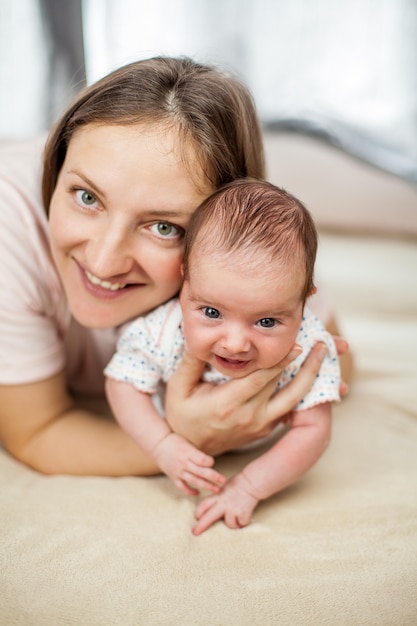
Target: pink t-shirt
point(38, 336)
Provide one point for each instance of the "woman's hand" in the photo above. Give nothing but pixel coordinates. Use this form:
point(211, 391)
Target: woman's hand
point(224, 417)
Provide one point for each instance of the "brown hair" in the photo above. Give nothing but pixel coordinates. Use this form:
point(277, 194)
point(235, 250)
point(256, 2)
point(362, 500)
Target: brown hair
point(251, 217)
point(213, 111)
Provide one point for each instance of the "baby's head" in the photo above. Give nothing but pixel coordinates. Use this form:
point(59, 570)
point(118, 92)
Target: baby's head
point(248, 269)
point(253, 224)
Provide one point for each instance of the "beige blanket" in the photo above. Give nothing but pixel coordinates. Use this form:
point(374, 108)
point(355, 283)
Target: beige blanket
point(338, 549)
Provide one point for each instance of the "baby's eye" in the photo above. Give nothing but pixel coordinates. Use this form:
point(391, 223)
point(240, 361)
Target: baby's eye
point(210, 312)
point(267, 322)
point(85, 198)
point(165, 230)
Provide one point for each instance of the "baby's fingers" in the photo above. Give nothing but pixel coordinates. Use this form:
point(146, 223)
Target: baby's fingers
point(199, 465)
point(233, 520)
point(207, 513)
point(185, 488)
point(199, 458)
point(209, 480)
point(289, 396)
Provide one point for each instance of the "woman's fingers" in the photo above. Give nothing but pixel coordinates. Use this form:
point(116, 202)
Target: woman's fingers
point(217, 418)
point(187, 376)
point(260, 383)
point(289, 396)
point(341, 344)
point(346, 363)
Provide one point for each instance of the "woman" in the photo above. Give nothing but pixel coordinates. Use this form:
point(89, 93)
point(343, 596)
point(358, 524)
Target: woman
point(124, 169)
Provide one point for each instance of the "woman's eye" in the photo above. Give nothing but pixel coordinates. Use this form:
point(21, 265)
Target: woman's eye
point(165, 230)
point(211, 312)
point(267, 322)
point(85, 198)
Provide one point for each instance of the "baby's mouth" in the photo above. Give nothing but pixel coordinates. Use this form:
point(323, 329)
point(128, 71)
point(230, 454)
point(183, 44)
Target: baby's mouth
point(234, 364)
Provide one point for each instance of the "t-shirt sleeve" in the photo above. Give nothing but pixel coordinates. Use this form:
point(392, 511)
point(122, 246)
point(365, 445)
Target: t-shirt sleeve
point(31, 347)
point(137, 359)
point(149, 349)
point(326, 385)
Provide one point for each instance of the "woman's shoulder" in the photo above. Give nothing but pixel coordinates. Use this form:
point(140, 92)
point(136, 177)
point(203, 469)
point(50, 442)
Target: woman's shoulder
point(21, 171)
point(28, 270)
point(22, 215)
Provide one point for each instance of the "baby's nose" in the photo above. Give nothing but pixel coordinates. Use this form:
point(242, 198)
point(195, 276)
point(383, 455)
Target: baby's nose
point(236, 341)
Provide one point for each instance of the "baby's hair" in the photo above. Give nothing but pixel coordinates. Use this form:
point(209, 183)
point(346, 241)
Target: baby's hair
point(256, 220)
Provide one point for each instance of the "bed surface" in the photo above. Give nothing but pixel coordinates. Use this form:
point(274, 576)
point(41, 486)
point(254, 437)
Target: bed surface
point(338, 548)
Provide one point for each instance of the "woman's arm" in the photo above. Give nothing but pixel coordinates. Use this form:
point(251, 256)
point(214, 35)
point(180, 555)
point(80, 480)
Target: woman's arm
point(41, 426)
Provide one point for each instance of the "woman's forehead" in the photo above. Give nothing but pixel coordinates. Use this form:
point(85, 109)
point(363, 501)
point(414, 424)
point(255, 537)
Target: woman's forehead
point(172, 139)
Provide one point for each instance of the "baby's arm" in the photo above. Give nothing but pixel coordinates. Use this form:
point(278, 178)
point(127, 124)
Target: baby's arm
point(187, 466)
point(278, 468)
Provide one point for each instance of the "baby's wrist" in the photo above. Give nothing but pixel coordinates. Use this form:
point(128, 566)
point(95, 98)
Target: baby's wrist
point(245, 483)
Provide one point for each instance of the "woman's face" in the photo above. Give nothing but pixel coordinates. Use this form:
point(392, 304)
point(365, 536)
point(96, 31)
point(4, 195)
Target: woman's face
point(117, 217)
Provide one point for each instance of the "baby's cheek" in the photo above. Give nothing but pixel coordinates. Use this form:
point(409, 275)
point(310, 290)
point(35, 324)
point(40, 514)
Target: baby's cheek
point(195, 341)
point(276, 350)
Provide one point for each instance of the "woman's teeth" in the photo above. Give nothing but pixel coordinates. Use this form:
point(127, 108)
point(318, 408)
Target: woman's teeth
point(104, 283)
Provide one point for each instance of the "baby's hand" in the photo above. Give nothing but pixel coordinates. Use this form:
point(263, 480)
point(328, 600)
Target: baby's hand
point(234, 503)
point(187, 466)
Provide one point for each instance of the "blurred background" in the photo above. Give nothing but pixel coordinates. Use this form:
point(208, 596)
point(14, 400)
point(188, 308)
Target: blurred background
point(344, 71)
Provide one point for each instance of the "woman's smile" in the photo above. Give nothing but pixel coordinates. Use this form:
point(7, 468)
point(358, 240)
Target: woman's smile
point(105, 284)
point(103, 288)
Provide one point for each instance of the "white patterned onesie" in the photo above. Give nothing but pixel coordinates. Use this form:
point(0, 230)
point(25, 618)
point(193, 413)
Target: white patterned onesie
point(149, 350)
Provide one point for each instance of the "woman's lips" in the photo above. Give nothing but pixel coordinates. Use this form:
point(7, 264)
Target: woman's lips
point(232, 364)
point(102, 288)
point(105, 284)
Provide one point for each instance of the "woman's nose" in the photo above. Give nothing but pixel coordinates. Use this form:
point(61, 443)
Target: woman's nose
point(108, 254)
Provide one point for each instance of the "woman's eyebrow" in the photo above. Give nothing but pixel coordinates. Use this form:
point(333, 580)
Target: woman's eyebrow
point(89, 182)
point(165, 213)
point(150, 212)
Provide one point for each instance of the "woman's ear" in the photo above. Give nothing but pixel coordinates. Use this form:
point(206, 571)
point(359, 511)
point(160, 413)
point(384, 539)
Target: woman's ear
point(182, 270)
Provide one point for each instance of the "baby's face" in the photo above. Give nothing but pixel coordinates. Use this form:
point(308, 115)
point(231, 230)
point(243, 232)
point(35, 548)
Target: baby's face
point(241, 321)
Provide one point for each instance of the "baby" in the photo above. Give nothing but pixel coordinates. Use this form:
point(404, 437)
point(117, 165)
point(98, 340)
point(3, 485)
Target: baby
point(248, 266)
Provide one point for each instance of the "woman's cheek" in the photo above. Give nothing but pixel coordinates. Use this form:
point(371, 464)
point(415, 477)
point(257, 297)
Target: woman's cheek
point(66, 228)
point(164, 266)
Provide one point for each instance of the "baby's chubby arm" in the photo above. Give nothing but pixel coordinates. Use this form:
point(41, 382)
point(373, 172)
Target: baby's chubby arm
point(188, 467)
point(283, 464)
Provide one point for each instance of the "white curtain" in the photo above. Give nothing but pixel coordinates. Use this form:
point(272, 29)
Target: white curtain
point(343, 70)
point(23, 69)
point(41, 63)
